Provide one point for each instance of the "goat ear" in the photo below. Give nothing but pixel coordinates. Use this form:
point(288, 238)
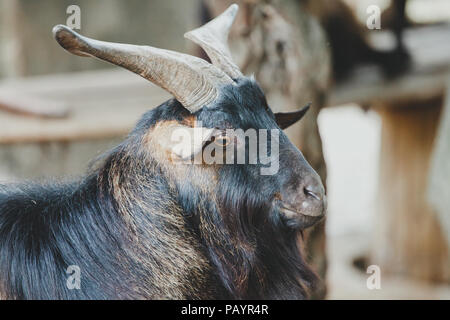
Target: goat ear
point(286, 119)
point(184, 142)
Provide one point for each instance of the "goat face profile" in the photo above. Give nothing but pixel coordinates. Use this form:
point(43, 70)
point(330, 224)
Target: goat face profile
point(204, 198)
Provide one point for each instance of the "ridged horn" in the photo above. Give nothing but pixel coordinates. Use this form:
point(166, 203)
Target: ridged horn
point(213, 38)
point(193, 81)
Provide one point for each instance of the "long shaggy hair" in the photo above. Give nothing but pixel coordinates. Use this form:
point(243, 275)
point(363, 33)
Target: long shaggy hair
point(139, 228)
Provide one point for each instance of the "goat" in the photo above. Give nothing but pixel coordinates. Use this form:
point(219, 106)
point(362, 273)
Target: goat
point(148, 223)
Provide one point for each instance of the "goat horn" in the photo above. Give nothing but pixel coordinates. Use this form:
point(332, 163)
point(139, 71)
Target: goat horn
point(213, 38)
point(193, 81)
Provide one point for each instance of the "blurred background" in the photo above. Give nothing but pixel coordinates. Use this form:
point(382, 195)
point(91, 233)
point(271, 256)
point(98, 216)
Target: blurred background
point(377, 72)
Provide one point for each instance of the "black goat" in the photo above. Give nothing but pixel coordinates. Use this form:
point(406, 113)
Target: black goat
point(147, 222)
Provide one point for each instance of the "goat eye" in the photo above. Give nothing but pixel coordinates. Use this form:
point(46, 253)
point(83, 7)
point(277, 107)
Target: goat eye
point(222, 140)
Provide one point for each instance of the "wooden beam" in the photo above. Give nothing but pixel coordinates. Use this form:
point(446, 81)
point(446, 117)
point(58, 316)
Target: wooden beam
point(408, 238)
point(103, 104)
point(430, 51)
point(32, 106)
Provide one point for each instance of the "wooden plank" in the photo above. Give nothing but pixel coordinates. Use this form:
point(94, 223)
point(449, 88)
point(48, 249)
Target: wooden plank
point(27, 105)
point(430, 51)
point(103, 104)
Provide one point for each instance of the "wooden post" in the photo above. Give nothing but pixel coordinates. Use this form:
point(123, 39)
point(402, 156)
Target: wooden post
point(408, 239)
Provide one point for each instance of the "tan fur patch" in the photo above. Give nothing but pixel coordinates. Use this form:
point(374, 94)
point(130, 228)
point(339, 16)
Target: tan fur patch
point(202, 176)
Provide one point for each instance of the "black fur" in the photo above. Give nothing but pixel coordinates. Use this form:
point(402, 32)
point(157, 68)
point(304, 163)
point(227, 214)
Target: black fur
point(121, 222)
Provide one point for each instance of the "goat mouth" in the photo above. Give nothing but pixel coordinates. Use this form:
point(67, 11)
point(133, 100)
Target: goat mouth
point(291, 213)
point(300, 220)
point(313, 211)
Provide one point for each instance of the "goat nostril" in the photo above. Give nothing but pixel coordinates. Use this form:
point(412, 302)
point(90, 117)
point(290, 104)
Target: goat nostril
point(313, 192)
